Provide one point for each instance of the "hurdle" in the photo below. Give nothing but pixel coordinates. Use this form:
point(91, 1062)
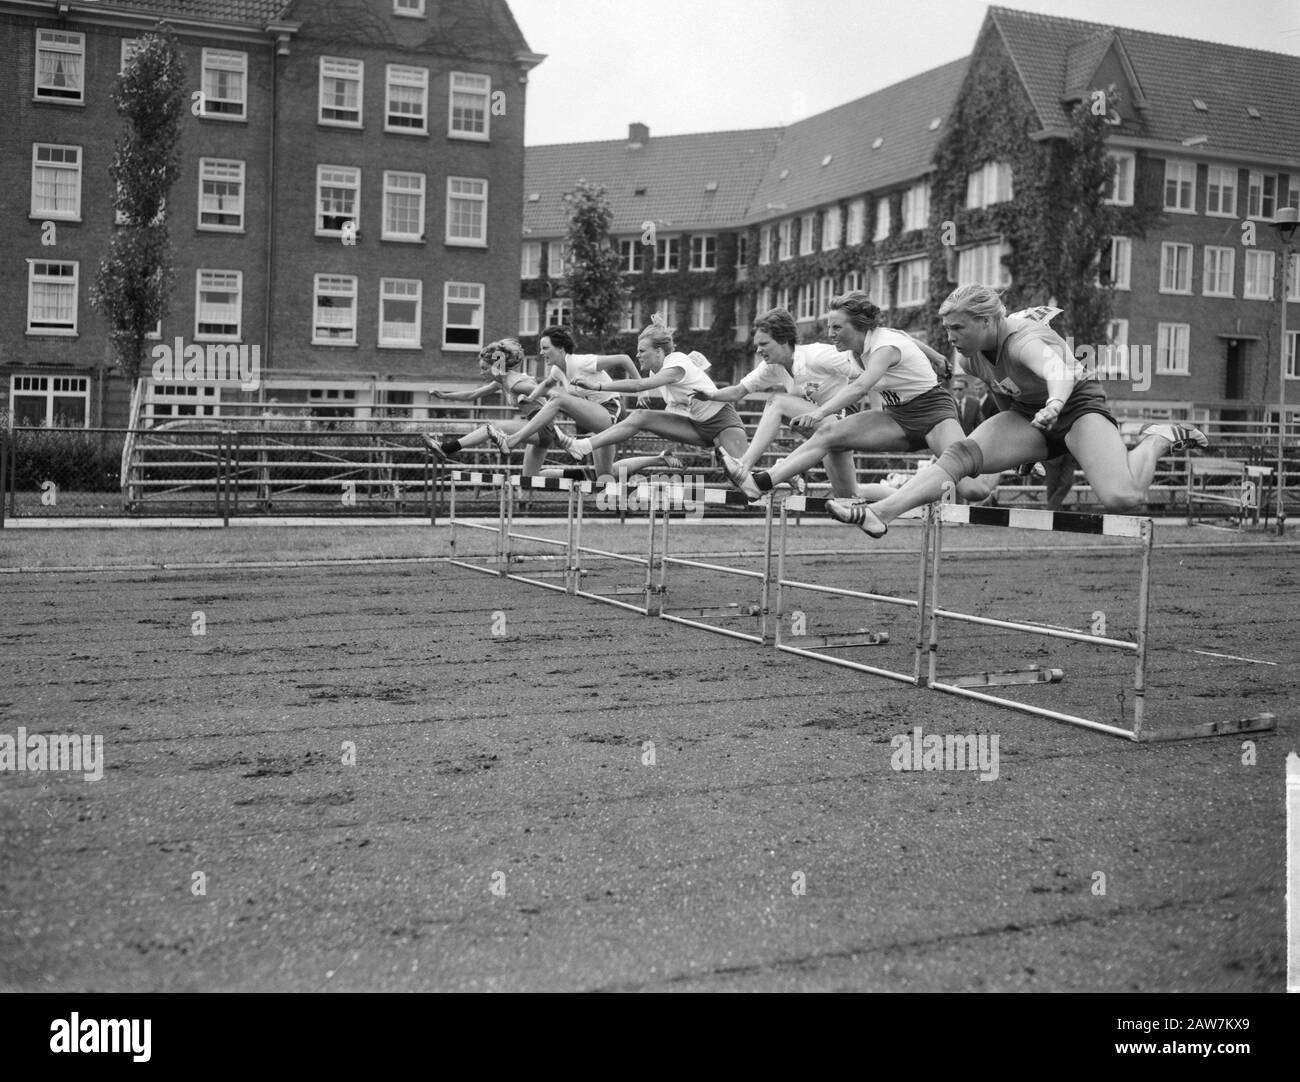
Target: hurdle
point(814, 646)
point(1140, 529)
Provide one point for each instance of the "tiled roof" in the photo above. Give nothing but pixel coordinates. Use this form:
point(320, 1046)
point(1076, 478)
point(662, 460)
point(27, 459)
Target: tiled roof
point(248, 12)
point(674, 171)
point(902, 117)
point(1172, 71)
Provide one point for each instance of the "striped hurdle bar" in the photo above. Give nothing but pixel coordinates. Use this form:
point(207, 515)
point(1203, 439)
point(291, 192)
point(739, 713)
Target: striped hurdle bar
point(814, 645)
point(1124, 526)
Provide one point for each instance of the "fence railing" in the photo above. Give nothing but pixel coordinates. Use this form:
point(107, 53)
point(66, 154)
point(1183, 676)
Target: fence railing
point(281, 467)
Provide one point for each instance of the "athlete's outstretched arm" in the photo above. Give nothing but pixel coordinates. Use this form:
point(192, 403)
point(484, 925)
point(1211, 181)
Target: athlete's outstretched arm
point(877, 365)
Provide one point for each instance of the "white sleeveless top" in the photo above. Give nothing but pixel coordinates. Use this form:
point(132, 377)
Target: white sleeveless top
point(909, 376)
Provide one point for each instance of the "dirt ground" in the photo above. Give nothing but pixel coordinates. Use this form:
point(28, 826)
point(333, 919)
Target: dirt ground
point(412, 776)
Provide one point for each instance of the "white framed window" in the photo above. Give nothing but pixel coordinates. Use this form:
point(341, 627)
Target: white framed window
point(916, 206)
point(667, 254)
point(221, 195)
point(530, 259)
point(462, 324)
point(785, 239)
point(399, 312)
point(338, 199)
point(528, 316)
point(1293, 355)
point(406, 107)
point(1261, 196)
point(882, 220)
point(1121, 184)
point(806, 233)
point(856, 226)
point(701, 313)
point(630, 316)
point(130, 46)
point(218, 304)
point(411, 8)
point(1293, 193)
point(989, 184)
point(1180, 187)
point(831, 228)
point(1221, 192)
point(742, 253)
point(666, 309)
point(739, 322)
point(1121, 262)
point(1172, 348)
point(1112, 358)
point(468, 106)
point(1257, 275)
point(806, 302)
point(853, 281)
point(1293, 279)
point(403, 206)
point(825, 294)
point(49, 401)
point(629, 255)
point(56, 182)
point(334, 308)
point(52, 296)
point(781, 298)
point(1217, 279)
point(60, 66)
point(877, 290)
point(913, 282)
point(340, 92)
point(765, 300)
point(559, 312)
point(982, 265)
point(764, 245)
point(557, 259)
point(704, 252)
point(467, 211)
point(1175, 268)
point(225, 84)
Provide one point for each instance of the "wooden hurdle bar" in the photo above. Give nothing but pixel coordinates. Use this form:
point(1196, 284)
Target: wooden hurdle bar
point(1141, 529)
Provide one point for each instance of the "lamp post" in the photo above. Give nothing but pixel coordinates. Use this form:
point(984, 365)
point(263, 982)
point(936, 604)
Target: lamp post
point(1285, 223)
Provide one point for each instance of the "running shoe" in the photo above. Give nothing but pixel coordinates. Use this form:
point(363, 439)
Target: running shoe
point(739, 475)
point(1031, 469)
point(1179, 436)
point(857, 513)
point(565, 441)
point(501, 440)
point(798, 484)
point(431, 442)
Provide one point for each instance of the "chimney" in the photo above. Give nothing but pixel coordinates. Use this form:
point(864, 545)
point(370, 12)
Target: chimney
point(637, 136)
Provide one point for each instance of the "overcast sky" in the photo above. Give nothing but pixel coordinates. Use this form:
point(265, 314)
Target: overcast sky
point(712, 65)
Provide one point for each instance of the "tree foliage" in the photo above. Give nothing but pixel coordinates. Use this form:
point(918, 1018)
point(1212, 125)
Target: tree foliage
point(134, 280)
point(593, 279)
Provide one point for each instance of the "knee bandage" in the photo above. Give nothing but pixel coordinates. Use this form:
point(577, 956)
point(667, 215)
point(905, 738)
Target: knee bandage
point(963, 459)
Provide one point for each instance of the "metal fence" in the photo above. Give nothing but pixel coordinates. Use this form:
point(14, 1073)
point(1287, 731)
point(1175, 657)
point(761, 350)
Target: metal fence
point(276, 465)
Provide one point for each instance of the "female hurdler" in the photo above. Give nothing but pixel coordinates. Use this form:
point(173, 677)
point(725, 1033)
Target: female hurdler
point(687, 419)
point(918, 412)
point(1046, 410)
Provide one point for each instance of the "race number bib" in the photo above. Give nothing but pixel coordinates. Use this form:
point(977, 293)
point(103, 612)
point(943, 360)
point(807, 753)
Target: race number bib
point(890, 398)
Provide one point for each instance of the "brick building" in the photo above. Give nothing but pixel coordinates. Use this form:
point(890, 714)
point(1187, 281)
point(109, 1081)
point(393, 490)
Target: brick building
point(1206, 140)
point(349, 198)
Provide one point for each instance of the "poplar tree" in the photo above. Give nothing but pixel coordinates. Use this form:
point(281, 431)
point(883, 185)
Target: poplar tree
point(593, 280)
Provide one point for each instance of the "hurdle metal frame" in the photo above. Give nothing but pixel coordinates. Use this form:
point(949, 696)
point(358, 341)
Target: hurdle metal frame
point(769, 608)
point(808, 645)
point(1142, 529)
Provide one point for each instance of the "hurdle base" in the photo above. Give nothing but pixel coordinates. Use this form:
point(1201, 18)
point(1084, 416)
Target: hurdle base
point(1260, 723)
point(1032, 675)
point(862, 637)
point(734, 609)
